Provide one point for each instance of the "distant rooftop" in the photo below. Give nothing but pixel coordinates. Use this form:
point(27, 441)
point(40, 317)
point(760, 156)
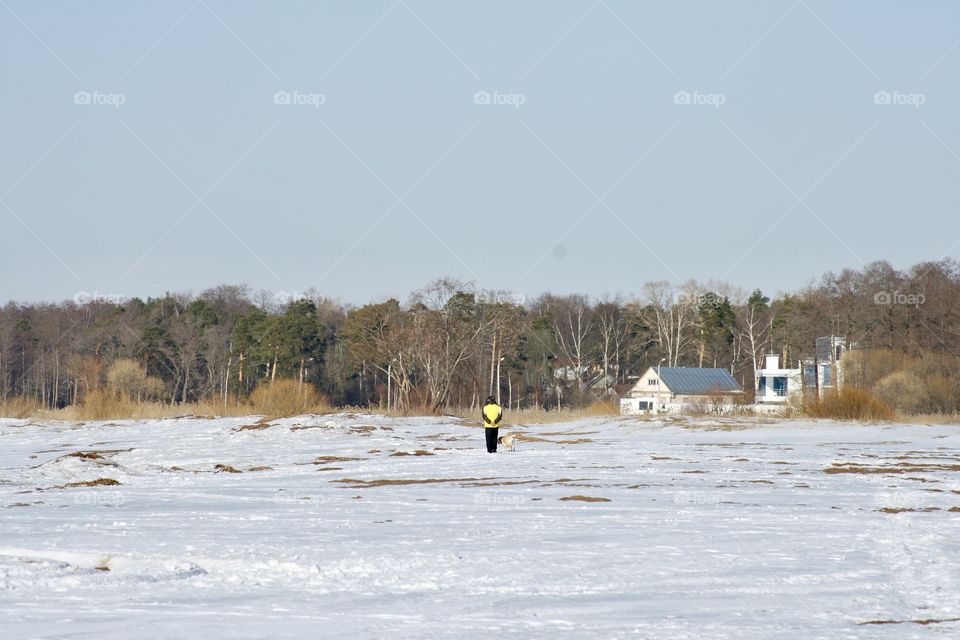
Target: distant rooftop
point(695, 381)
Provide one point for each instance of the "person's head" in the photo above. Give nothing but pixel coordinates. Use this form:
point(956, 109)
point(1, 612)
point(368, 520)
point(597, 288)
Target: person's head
point(491, 400)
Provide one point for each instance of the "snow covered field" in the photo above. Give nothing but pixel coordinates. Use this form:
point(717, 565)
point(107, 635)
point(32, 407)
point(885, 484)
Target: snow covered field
point(356, 526)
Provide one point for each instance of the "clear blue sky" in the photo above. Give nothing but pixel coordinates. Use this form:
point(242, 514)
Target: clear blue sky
point(597, 182)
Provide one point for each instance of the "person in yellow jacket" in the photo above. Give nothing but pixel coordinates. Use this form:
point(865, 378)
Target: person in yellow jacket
point(491, 413)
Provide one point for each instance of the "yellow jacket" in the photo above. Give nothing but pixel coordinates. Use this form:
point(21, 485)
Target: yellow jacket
point(492, 413)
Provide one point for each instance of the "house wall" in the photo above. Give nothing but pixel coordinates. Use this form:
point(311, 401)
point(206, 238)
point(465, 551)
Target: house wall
point(644, 391)
point(794, 385)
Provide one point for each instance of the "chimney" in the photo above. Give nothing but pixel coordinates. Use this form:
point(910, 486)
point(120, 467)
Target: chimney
point(773, 362)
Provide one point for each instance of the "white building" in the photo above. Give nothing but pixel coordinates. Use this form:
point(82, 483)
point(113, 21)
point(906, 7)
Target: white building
point(777, 387)
point(674, 389)
point(825, 373)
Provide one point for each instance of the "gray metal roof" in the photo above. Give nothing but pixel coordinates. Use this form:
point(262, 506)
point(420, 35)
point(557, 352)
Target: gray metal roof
point(694, 381)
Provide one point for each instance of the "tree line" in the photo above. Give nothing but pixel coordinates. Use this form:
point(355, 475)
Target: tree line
point(450, 345)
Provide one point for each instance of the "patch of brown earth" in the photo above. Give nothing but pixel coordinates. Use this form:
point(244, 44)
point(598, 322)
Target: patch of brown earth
point(254, 427)
point(579, 498)
point(849, 467)
point(108, 482)
point(330, 459)
point(500, 484)
point(262, 423)
point(352, 483)
point(418, 452)
point(225, 468)
point(923, 621)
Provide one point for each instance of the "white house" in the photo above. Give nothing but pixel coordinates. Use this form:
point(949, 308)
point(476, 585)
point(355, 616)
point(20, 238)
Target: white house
point(824, 372)
point(775, 386)
point(674, 389)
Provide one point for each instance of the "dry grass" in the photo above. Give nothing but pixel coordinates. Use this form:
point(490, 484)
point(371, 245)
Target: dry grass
point(930, 418)
point(18, 407)
point(282, 398)
point(108, 408)
point(849, 403)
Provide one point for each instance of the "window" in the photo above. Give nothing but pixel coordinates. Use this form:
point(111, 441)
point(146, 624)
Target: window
point(780, 385)
point(652, 382)
point(644, 405)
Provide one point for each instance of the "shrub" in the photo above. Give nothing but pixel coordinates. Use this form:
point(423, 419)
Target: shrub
point(128, 378)
point(904, 391)
point(849, 403)
point(287, 398)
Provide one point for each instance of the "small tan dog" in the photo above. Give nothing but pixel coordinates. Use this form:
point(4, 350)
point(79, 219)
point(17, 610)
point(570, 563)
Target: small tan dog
point(508, 440)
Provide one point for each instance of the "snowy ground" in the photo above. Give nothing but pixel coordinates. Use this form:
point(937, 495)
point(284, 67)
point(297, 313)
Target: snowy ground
point(706, 529)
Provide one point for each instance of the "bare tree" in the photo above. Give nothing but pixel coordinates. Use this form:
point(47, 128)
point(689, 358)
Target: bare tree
point(755, 321)
point(447, 326)
point(612, 326)
point(673, 313)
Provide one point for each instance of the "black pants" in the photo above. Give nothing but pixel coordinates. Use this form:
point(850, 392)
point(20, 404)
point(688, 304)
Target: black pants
point(491, 433)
